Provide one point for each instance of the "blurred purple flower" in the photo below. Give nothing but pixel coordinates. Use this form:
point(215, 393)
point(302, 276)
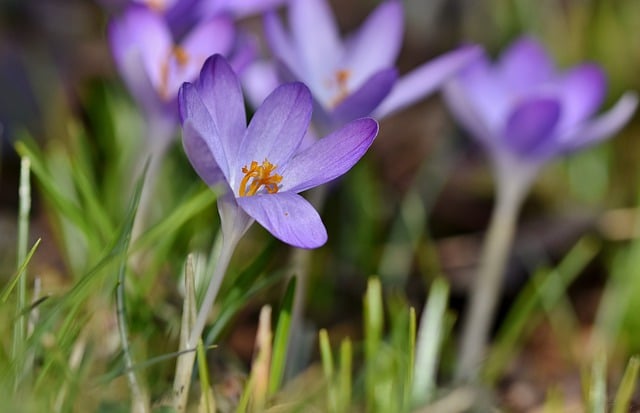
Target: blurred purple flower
point(181, 15)
point(354, 77)
point(525, 112)
point(153, 65)
point(262, 166)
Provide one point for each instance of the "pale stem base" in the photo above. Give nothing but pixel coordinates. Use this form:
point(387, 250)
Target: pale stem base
point(488, 283)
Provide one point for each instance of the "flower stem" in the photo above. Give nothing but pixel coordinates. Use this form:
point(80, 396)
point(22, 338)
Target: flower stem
point(228, 246)
point(488, 282)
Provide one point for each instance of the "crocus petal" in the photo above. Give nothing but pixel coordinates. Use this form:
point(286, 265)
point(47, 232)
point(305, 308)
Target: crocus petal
point(288, 216)
point(383, 28)
point(139, 84)
point(221, 93)
point(214, 36)
point(277, 127)
point(241, 8)
point(364, 100)
point(245, 52)
point(582, 91)
point(141, 29)
point(525, 64)
point(465, 112)
point(424, 80)
point(329, 157)
point(195, 114)
point(315, 33)
point(486, 92)
point(200, 155)
point(281, 44)
point(530, 126)
point(258, 80)
point(604, 126)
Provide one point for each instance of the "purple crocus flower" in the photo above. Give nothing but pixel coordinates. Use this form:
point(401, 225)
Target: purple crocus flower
point(355, 77)
point(154, 65)
point(525, 112)
point(262, 166)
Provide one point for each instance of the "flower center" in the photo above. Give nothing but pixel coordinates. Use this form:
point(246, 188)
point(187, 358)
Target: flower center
point(340, 82)
point(182, 58)
point(257, 176)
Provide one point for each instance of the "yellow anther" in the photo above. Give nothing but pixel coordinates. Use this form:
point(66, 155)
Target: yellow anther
point(258, 176)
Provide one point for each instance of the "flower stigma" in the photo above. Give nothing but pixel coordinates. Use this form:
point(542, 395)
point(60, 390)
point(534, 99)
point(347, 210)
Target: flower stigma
point(260, 176)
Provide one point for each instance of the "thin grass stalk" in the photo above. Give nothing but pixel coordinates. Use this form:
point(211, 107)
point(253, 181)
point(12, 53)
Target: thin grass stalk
point(345, 376)
point(185, 362)
point(598, 385)
point(281, 339)
point(373, 327)
point(139, 398)
point(207, 401)
point(328, 368)
point(430, 337)
point(20, 331)
point(627, 386)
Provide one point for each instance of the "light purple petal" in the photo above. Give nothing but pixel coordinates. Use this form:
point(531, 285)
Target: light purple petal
point(200, 155)
point(364, 100)
point(582, 90)
point(529, 128)
point(194, 113)
point(329, 157)
point(315, 34)
point(245, 52)
point(241, 8)
point(604, 126)
point(259, 79)
point(142, 30)
point(214, 36)
point(288, 216)
point(487, 93)
point(465, 112)
point(425, 79)
point(277, 128)
point(221, 93)
point(383, 28)
point(281, 44)
point(525, 64)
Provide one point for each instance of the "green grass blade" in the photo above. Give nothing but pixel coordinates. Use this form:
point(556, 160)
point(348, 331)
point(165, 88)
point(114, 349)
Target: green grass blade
point(328, 368)
point(627, 386)
point(598, 385)
point(544, 290)
point(281, 338)
point(430, 337)
point(373, 326)
point(206, 398)
point(344, 376)
point(6, 291)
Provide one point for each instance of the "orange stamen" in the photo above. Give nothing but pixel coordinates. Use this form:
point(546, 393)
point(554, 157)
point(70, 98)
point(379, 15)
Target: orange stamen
point(182, 58)
point(260, 176)
point(341, 81)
